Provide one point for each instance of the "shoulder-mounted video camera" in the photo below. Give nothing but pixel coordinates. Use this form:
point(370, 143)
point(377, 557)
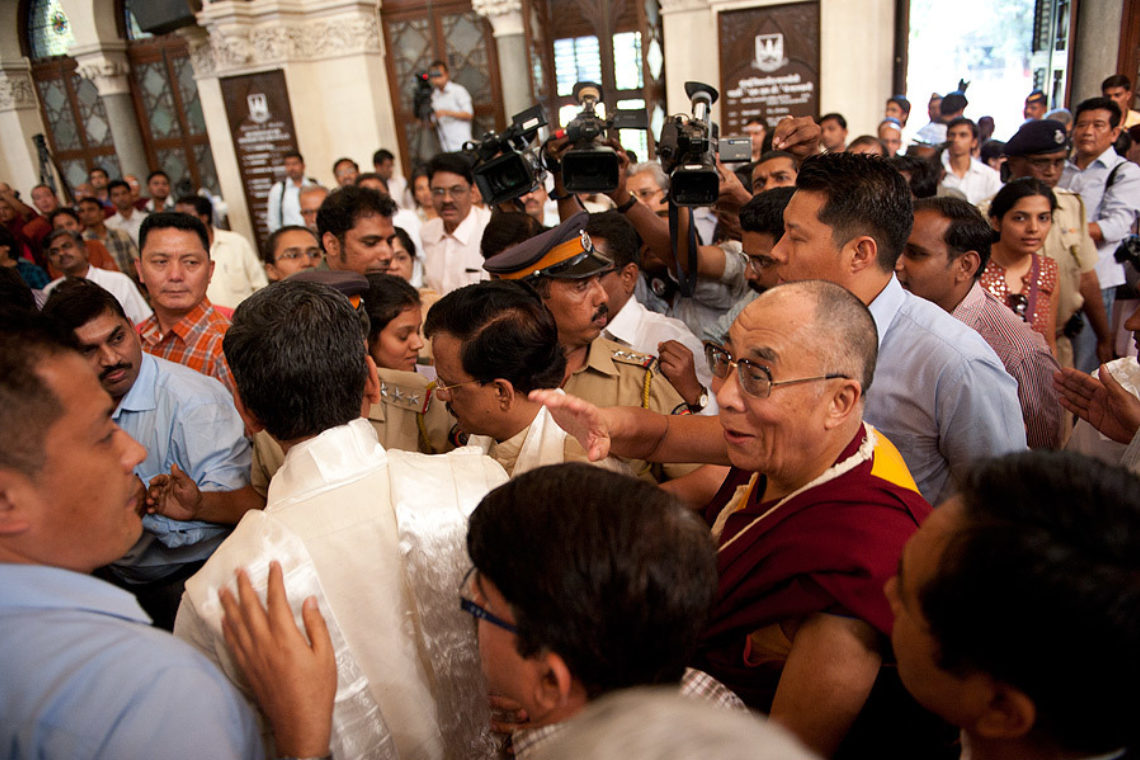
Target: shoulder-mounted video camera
point(589, 167)
point(687, 150)
point(506, 166)
point(421, 98)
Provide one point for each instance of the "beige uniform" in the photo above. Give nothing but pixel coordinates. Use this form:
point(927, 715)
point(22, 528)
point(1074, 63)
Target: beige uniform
point(1068, 243)
point(408, 417)
point(615, 375)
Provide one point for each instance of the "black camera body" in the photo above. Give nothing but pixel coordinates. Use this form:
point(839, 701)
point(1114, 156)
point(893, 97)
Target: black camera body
point(505, 165)
point(687, 149)
point(1128, 251)
point(421, 97)
point(589, 167)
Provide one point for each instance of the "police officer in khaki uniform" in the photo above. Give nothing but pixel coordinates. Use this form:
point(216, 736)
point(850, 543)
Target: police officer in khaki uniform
point(563, 266)
point(1039, 150)
point(407, 415)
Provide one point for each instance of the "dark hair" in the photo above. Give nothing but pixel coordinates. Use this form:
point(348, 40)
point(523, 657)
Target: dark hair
point(1015, 190)
point(117, 183)
point(992, 149)
point(68, 211)
point(28, 407)
point(923, 174)
point(345, 206)
point(834, 117)
point(967, 231)
point(623, 244)
point(157, 173)
point(901, 101)
point(340, 161)
point(94, 169)
point(1099, 104)
point(363, 176)
point(202, 205)
point(768, 155)
point(399, 233)
point(14, 292)
point(172, 220)
point(89, 199)
point(267, 253)
point(1045, 560)
point(381, 156)
point(963, 120)
point(610, 573)
point(506, 229)
point(505, 331)
point(953, 103)
point(1116, 80)
point(386, 297)
point(765, 212)
point(440, 64)
point(75, 237)
point(76, 301)
point(862, 140)
point(865, 196)
point(286, 340)
point(456, 163)
point(294, 154)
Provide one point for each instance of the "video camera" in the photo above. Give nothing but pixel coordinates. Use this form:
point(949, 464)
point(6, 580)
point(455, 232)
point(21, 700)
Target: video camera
point(421, 98)
point(687, 149)
point(589, 167)
point(506, 166)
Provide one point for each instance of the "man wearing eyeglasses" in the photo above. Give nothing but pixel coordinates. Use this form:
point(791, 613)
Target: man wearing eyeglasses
point(452, 257)
point(810, 519)
point(452, 109)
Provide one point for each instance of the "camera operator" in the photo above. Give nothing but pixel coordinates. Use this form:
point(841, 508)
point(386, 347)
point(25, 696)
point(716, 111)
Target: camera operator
point(451, 108)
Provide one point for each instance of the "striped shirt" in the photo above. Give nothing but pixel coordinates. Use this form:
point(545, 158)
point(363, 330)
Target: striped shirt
point(195, 341)
point(119, 244)
point(1025, 356)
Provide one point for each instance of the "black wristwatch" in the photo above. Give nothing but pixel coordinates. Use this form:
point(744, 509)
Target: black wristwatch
point(627, 205)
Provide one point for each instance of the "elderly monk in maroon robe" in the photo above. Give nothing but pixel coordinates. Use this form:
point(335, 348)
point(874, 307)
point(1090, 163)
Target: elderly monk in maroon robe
point(810, 520)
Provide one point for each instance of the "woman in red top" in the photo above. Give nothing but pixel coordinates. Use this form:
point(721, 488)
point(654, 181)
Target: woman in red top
point(1018, 274)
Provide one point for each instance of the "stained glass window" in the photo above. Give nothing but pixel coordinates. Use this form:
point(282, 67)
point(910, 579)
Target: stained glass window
point(49, 29)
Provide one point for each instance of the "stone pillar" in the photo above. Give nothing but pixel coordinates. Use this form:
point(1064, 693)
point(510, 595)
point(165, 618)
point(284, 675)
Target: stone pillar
point(1097, 47)
point(514, 61)
point(19, 121)
point(106, 66)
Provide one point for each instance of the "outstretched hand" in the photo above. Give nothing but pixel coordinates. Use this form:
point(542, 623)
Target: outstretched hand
point(175, 495)
point(580, 419)
point(294, 680)
point(1105, 404)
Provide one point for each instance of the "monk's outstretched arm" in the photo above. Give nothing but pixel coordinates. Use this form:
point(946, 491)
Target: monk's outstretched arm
point(830, 670)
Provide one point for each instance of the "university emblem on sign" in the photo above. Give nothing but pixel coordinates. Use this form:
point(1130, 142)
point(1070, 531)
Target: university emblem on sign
point(258, 107)
point(770, 52)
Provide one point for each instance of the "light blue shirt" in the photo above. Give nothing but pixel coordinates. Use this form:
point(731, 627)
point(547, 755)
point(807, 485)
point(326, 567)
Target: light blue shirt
point(83, 675)
point(1113, 210)
point(940, 393)
point(186, 418)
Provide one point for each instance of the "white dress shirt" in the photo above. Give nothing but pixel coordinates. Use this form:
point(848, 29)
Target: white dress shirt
point(237, 270)
point(453, 259)
point(285, 203)
point(452, 132)
point(118, 285)
point(130, 226)
point(980, 182)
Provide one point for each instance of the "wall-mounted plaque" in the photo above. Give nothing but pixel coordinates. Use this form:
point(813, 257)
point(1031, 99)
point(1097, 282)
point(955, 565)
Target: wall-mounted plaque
point(261, 123)
point(769, 64)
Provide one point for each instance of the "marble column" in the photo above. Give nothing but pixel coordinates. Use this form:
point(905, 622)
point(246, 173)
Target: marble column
point(106, 66)
point(514, 61)
point(19, 121)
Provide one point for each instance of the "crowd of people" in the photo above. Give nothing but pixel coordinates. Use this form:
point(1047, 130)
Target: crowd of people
point(844, 465)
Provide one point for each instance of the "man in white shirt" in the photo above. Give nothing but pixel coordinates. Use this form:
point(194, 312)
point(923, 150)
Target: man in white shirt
point(67, 252)
point(237, 270)
point(384, 164)
point(964, 173)
point(158, 185)
point(451, 104)
point(284, 196)
point(452, 257)
point(126, 218)
point(377, 536)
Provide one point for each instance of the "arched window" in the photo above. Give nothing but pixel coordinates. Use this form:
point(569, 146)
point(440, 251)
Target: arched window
point(49, 29)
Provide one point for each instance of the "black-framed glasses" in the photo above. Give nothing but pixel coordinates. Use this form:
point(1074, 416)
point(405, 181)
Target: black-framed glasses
point(755, 379)
point(1019, 302)
point(478, 611)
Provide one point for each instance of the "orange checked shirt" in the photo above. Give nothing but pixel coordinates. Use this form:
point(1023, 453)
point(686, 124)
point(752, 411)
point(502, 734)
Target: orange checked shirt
point(195, 341)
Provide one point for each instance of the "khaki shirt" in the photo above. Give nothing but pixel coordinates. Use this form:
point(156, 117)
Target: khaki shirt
point(406, 403)
point(615, 375)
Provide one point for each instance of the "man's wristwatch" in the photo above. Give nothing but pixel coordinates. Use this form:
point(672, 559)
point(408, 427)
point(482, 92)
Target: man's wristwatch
point(702, 402)
point(627, 205)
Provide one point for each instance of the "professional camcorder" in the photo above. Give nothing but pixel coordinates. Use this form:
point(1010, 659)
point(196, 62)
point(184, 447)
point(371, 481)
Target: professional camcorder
point(589, 167)
point(421, 98)
point(505, 165)
point(687, 149)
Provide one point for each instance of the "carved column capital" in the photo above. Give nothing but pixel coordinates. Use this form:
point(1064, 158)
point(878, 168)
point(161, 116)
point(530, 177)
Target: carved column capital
point(505, 15)
point(17, 92)
point(107, 69)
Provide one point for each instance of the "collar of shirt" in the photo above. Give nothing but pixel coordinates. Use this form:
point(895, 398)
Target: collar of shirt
point(140, 398)
point(599, 357)
point(1106, 160)
point(152, 333)
point(339, 454)
point(886, 305)
point(973, 301)
point(623, 325)
point(42, 587)
point(468, 228)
